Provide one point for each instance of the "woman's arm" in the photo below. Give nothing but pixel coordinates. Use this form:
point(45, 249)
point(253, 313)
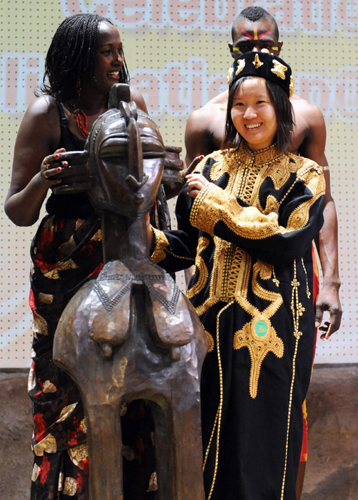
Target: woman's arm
point(277, 237)
point(175, 250)
point(37, 138)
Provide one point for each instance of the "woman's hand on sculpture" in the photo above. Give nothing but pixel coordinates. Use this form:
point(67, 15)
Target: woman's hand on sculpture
point(196, 182)
point(173, 183)
point(69, 170)
point(50, 167)
point(188, 170)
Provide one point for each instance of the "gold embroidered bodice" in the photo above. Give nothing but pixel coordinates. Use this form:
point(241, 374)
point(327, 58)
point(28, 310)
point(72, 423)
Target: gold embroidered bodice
point(246, 170)
point(262, 180)
point(256, 210)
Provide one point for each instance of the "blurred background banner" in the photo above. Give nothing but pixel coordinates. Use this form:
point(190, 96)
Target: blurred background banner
point(177, 54)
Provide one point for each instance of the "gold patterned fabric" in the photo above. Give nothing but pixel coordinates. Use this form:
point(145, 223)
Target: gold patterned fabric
point(250, 232)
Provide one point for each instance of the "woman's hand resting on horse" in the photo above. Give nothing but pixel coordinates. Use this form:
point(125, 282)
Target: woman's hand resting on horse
point(66, 171)
point(196, 182)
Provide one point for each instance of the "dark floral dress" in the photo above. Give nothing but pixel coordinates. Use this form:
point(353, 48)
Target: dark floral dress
point(66, 252)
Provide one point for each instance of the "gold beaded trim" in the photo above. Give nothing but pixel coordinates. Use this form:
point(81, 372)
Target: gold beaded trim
point(217, 422)
point(203, 243)
point(211, 342)
point(297, 311)
point(161, 242)
point(307, 285)
point(274, 279)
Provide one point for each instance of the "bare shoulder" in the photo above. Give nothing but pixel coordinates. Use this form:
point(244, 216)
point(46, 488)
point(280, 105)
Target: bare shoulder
point(43, 108)
point(137, 97)
point(40, 124)
point(205, 127)
point(309, 133)
point(306, 111)
point(199, 119)
point(213, 108)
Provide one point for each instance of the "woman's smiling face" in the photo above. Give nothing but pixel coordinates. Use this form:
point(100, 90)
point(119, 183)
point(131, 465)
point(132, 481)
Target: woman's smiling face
point(253, 114)
point(109, 57)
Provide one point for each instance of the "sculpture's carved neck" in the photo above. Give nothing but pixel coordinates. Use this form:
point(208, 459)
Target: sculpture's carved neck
point(123, 238)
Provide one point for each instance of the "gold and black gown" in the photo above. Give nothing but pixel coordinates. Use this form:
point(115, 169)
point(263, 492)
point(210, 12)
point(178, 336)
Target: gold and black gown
point(249, 233)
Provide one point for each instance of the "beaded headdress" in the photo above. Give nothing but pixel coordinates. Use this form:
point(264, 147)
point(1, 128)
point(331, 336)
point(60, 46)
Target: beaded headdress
point(263, 65)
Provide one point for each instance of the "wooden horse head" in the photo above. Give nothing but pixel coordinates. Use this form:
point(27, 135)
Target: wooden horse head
point(126, 158)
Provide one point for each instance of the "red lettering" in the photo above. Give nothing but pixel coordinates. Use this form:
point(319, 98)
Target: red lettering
point(183, 13)
point(283, 12)
point(157, 13)
point(219, 14)
point(245, 3)
point(23, 76)
point(327, 18)
point(175, 80)
point(129, 11)
point(32, 80)
point(315, 89)
point(196, 71)
point(77, 6)
point(149, 86)
point(347, 15)
point(346, 96)
point(310, 16)
point(217, 84)
point(71, 7)
point(31, 83)
point(9, 90)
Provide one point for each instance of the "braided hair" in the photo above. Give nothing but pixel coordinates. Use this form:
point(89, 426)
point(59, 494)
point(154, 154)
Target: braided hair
point(71, 57)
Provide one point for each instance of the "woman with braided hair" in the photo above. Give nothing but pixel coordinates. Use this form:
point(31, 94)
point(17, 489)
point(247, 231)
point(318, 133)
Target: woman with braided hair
point(84, 60)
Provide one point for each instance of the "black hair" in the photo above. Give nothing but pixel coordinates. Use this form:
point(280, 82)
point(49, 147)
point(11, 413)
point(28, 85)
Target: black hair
point(254, 14)
point(283, 112)
point(71, 57)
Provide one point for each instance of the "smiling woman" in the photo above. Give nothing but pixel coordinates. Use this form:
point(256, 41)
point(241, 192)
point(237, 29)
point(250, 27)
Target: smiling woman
point(109, 57)
point(259, 110)
point(84, 60)
point(247, 218)
point(253, 114)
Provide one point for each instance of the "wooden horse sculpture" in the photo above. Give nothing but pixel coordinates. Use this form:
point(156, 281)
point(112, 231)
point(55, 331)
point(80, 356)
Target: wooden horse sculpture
point(131, 333)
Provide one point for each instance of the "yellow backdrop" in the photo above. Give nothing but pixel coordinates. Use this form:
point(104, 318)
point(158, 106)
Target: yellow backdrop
point(177, 55)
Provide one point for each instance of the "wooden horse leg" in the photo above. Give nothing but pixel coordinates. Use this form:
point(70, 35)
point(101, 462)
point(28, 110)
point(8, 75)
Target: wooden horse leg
point(179, 455)
point(188, 452)
point(105, 444)
point(164, 453)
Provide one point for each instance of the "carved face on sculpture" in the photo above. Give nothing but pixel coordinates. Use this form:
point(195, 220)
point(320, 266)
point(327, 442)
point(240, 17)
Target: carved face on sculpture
point(126, 161)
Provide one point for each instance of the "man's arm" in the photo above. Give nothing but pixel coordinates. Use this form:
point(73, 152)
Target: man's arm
point(198, 143)
point(326, 242)
point(198, 135)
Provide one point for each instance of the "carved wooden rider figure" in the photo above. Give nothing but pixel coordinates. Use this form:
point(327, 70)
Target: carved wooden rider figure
point(131, 333)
